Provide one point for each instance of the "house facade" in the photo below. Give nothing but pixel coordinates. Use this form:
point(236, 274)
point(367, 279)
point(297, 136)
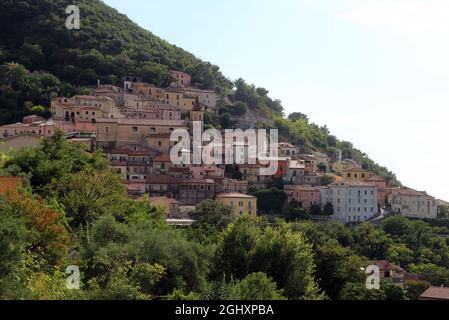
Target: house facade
point(413, 204)
point(240, 203)
point(305, 195)
point(351, 202)
point(355, 174)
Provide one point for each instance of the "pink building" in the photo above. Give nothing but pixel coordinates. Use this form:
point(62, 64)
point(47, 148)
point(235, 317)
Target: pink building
point(305, 195)
point(381, 185)
point(207, 172)
point(45, 128)
point(182, 79)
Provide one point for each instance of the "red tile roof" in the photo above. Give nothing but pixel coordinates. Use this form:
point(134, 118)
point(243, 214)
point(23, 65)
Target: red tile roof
point(410, 192)
point(162, 179)
point(163, 158)
point(385, 265)
point(435, 293)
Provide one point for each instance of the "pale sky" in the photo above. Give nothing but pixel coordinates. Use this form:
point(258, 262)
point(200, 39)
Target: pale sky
point(376, 72)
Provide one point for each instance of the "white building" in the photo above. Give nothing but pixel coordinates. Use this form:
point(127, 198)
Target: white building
point(413, 204)
point(286, 149)
point(352, 202)
point(295, 172)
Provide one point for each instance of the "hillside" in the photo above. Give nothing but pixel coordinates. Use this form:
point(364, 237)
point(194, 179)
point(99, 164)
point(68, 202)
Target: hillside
point(109, 46)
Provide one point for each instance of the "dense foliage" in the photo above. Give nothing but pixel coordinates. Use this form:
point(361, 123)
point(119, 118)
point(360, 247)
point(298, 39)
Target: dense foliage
point(72, 210)
point(125, 250)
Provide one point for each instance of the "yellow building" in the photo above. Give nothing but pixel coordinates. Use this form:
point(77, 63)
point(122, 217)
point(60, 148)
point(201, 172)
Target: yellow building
point(241, 203)
point(355, 174)
point(174, 97)
point(170, 206)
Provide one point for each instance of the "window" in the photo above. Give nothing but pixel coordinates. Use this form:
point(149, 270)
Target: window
point(134, 129)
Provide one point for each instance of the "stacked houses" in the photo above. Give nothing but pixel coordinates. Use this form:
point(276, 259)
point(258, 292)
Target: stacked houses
point(133, 126)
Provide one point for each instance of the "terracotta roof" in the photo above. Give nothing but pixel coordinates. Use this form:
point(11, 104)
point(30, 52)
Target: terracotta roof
point(176, 90)
point(376, 179)
point(34, 117)
point(352, 184)
point(301, 188)
point(436, 293)
point(163, 158)
point(385, 265)
point(198, 181)
point(356, 169)
point(130, 152)
point(25, 134)
point(287, 145)
point(157, 200)
point(136, 185)
point(92, 97)
point(410, 192)
point(180, 169)
point(144, 122)
point(234, 195)
point(162, 179)
point(297, 164)
point(17, 124)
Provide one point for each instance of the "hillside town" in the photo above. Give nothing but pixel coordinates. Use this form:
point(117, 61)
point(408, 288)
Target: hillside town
point(132, 125)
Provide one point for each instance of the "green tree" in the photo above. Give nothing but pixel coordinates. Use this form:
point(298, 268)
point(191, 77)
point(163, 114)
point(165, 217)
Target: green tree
point(53, 160)
point(286, 257)
point(336, 267)
point(88, 194)
point(326, 180)
point(371, 242)
point(358, 291)
point(210, 218)
point(396, 226)
point(328, 209)
point(295, 116)
point(270, 200)
point(233, 254)
point(256, 286)
point(322, 167)
point(392, 291)
point(398, 253)
point(431, 273)
point(415, 288)
point(226, 121)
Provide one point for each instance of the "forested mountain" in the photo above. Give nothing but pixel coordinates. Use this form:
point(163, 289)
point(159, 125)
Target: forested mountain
point(71, 209)
point(109, 46)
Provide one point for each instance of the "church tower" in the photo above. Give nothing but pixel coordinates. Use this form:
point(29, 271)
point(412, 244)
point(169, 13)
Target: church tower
point(197, 114)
